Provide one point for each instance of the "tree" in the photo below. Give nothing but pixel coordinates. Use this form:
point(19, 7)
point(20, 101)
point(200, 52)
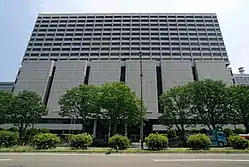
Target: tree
point(175, 105)
point(81, 102)
point(119, 102)
point(25, 110)
point(5, 101)
point(240, 104)
point(210, 102)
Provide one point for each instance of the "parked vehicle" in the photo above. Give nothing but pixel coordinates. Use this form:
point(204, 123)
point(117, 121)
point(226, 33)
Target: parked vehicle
point(246, 136)
point(218, 139)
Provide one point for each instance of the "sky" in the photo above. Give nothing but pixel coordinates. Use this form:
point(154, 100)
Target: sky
point(17, 19)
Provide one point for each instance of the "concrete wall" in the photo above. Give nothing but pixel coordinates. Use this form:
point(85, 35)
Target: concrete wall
point(149, 84)
point(68, 74)
point(104, 71)
point(34, 76)
point(213, 69)
point(176, 73)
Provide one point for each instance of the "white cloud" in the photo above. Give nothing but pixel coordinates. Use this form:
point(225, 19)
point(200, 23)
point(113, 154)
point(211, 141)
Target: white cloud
point(232, 16)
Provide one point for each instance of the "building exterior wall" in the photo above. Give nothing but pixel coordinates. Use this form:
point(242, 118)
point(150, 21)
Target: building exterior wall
point(149, 84)
point(68, 74)
point(6, 86)
point(176, 73)
point(34, 76)
point(215, 70)
point(104, 71)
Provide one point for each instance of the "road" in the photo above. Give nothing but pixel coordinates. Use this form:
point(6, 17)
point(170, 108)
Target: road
point(122, 160)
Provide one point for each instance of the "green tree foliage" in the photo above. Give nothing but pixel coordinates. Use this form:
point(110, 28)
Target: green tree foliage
point(119, 142)
point(156, 141)
point(239, 131)
point(228, 132)
point(210, 103)
point(6, 99)
point(171, 133)
point(81, 102)
point(119, 102)
point(45, 141)
point(81, 141)
point(176, 105)
point(25, 110)
point(199, 142)
point(8, 138)
point(240, 104)
point(238, 142)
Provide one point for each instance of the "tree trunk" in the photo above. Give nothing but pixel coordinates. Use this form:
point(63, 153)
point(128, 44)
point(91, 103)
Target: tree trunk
point(114, 127)
point(109, 128)
point(126, 130)
point(182, 135)
point(83, 125)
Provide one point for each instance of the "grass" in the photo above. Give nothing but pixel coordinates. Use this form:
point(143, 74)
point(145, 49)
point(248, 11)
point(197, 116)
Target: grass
point(107, 150)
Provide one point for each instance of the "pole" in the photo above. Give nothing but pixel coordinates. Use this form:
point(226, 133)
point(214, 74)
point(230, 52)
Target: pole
point(141, 114)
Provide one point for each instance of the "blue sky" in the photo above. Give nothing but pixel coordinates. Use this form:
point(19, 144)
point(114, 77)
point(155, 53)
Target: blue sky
point(18, 18)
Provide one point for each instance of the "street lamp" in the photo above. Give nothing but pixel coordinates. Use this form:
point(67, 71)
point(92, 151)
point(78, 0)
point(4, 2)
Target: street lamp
point(141, 114)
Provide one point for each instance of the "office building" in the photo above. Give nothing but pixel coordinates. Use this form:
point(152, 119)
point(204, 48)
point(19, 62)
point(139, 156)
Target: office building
point(6, 86)
point(241, 78)
point(66, 50)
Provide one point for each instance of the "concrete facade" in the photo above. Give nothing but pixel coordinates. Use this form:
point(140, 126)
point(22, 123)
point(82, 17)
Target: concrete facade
point(6, 86)
point(66, 50)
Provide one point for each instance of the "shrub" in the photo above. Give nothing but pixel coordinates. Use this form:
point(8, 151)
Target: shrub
point(8, 138)
point(239, 131)
point(156, 141)
point(194, 131)
point(45, 141)
point(81, 141)
point(43, 130)
point(119, 142)
point(238, 142)
point(171, 133)
point(228, 132)
point(199, 142)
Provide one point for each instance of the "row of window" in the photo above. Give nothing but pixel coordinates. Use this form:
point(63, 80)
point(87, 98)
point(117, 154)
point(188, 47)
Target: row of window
point(151, 44)
point(44, 22)
point(126, 54)
point(126, 38)
point(124, 48)
point(124, 16)
point(126, 25)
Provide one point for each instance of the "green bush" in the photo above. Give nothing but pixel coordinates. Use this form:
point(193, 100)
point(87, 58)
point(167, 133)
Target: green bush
point(81, 141)
point(43, 130)
point(8, 138)
point(119, 142)
point(238, 142)
point(228, 132)
point(199, 142)
point(45, 141)
point(171, 133)
point(239, 131)
point(156, 141)
point(194, 131)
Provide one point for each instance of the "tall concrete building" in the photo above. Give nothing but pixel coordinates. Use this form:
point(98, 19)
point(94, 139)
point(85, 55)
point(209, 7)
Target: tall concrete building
point(66, 50)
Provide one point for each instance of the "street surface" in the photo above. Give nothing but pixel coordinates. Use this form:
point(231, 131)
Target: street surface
point(122, 160)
